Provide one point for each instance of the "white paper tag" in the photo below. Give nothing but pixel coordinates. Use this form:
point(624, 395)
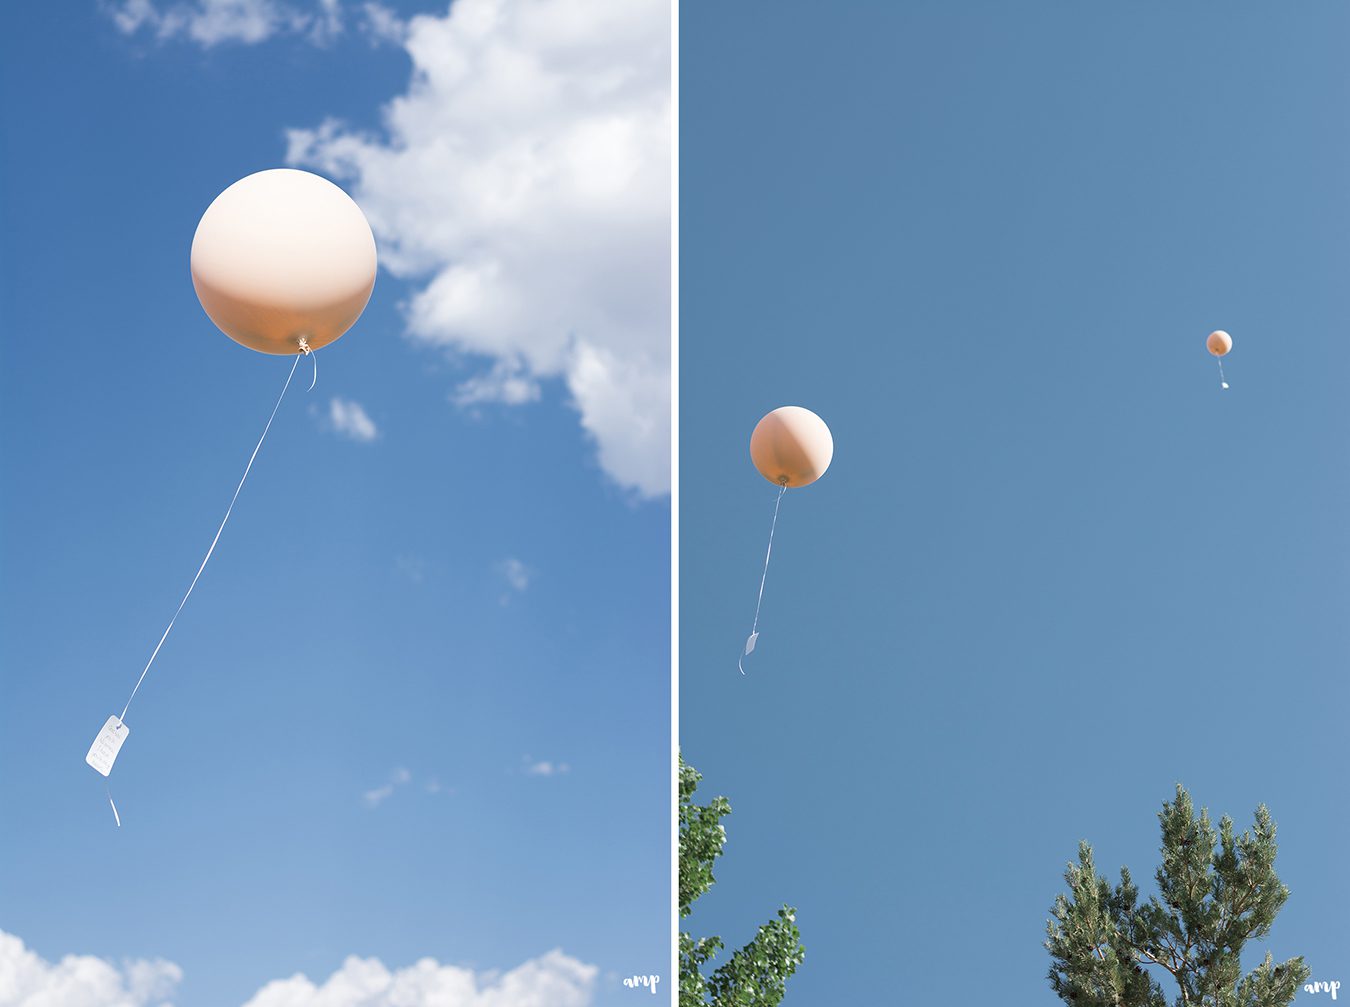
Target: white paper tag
point(750, 643)
point(103, 752)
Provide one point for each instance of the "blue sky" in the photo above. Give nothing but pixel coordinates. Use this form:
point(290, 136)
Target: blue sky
point(418, 704)
point(1054, 569)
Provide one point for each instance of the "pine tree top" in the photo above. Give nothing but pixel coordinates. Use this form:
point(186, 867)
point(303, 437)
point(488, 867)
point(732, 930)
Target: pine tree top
point(1216, 891)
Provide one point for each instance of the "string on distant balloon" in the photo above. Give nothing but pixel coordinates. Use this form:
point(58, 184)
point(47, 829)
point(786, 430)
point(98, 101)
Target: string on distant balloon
point(754, 629)
point(1219, 343)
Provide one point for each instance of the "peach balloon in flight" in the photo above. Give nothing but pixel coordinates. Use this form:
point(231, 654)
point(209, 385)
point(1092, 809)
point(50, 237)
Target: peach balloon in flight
point(283, 262)
point(1219, 344)
point(790, 447)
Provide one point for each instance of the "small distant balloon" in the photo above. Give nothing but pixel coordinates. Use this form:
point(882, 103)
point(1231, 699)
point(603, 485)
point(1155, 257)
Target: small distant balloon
point(1219, 343)
point(280, 256)
point(790, 447)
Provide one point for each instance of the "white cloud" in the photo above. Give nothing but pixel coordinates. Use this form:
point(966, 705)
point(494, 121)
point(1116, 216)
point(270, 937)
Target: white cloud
point(517, 574)
point(211, 22)
point(544, 768)
point(374, 798)
point(351, 420)
point(27, 980)
point(382, 25)
point(327, 24)
point(506, 382)
point(551, 980)
point(517, 577)
point(523, 183)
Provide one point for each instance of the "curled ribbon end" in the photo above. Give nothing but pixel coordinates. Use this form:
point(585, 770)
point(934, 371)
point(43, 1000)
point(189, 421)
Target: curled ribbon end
point(308, 351)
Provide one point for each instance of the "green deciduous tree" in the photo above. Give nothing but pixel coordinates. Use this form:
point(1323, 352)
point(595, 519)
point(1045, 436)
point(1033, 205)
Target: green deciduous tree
point(1215, 892)
point(757, 974)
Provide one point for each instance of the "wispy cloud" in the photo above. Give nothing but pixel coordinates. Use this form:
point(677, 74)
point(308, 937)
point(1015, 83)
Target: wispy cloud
point(327, 23)
point(213, 22)
point(382, 24)
point(507, 382)
point(374, 798)
point(81, 980)
point(398, 778)
point(545, 768)
point(516, 574)
point(523, 183)
point(351, 420)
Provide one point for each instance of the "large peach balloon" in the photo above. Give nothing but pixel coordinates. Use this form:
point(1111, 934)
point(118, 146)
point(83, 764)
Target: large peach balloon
point(1219, 343)
point(791, 446)
point(283, 255)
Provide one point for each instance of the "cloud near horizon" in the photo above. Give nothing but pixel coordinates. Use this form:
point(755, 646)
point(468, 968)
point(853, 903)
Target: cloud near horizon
point(522, 185)
point(28, 980)
point(554, 979)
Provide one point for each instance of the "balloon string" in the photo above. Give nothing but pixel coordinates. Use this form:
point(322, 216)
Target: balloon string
point(767, 553)
point(1223, 382)
point(307, 351)
point(754, 629)
point(213, 544)
point(116, 817)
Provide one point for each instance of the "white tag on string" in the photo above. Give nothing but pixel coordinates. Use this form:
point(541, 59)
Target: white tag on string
point(103, 752)
point(749, 646)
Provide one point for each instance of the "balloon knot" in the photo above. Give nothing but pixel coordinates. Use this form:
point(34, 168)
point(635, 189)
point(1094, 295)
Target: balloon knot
point(304, 346)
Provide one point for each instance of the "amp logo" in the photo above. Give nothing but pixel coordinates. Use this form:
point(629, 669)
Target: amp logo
point(636, 982)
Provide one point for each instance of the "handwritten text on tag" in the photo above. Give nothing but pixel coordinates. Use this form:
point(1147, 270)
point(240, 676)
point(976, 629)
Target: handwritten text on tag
point(103, 752)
